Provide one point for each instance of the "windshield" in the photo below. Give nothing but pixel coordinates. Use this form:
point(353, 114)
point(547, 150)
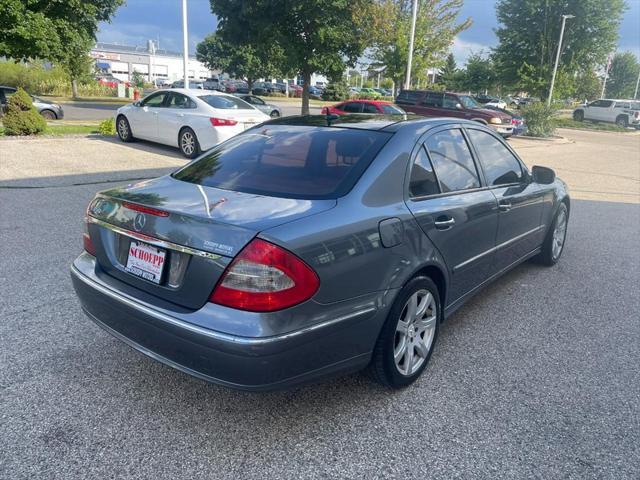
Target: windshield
point(288, 161)
point(468, 102)
point(225, 103)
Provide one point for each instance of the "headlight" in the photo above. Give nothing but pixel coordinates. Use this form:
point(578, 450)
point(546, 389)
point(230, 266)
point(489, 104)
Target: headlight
point(495, 120)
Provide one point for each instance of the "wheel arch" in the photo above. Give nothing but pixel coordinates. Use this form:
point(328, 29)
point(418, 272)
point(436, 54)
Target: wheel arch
point(437, 274)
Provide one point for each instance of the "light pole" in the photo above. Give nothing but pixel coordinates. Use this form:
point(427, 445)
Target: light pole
point(414, 14)
point(185, 44)
point(606, 76)
point(555, 68)
point(635, 95)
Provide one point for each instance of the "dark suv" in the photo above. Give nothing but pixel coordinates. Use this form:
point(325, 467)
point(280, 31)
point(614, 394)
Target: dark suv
point(446, 104)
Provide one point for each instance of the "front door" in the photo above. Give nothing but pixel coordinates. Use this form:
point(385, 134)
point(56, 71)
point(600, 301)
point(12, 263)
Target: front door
point(458, 215)
point(597, 110)
point(520, 201)
point(144, 118)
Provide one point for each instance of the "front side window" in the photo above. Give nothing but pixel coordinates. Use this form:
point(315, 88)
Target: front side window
point(155, 100)
point(469, 102)
point(256, 101)
point(433, 99)
point(352, 107)
point(224, 102)
point(391, 110)
point(452, 161)
point(450, 101)
point(601, 103)
point(370, 108)
point(499, 164)
point(423, 180)
point(288, 161)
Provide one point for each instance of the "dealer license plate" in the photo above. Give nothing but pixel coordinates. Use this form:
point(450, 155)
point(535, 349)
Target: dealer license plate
point(146, 261)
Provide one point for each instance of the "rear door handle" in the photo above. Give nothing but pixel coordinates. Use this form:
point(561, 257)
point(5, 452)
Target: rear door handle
point(445, 224)
point(504, 206)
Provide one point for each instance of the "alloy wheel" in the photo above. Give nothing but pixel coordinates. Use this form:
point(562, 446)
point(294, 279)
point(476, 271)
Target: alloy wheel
point(415, 332)
point(188, 143)
point(123, 128)
point(559, 234)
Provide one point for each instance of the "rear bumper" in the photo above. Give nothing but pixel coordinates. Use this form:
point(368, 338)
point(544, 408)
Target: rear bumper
point(247, 363)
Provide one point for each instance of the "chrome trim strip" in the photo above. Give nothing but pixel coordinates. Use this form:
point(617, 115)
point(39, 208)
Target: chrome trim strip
point(204, 331)
point(153, 241)
point(497, 247)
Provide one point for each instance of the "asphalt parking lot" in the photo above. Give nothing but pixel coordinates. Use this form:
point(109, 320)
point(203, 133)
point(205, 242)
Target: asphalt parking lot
point(536, 377)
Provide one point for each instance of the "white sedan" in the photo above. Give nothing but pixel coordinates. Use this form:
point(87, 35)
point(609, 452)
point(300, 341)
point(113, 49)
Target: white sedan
point(193, 120)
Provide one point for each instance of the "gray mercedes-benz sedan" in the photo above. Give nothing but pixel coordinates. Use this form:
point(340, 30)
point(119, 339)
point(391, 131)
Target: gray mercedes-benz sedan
point(312, 246)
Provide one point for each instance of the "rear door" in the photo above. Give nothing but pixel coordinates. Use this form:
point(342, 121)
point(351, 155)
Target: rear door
point(520, 201)
point(448, 199)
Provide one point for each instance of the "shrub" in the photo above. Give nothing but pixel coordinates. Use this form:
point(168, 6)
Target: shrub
point(336, 91)
point(22, 118)
point(539, 118)
point(107, 127)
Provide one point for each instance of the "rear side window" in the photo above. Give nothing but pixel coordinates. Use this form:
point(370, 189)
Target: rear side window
point(224, 102)
point(452, 161)
point(408, 97)
point(423, 180)
point(370, 108)
point(499, 165)
point(288, 161)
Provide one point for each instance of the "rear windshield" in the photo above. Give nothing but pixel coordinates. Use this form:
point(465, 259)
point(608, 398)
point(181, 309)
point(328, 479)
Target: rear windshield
point(224, 102)
point(288, 161)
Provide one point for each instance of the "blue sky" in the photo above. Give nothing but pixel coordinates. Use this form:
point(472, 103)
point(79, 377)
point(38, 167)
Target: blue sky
point(140, 20)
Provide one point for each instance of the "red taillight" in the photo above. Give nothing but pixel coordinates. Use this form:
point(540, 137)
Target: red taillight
point(143, 209)
point(222, 122)
point(265, 278)
point(86, 241)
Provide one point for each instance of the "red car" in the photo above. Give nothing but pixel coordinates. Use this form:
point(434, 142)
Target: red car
point(295, 90)
point(363, 106)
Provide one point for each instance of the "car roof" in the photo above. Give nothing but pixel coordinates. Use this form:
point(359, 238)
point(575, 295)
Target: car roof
point(196, 92)
point(364, 100)
point(386, 123)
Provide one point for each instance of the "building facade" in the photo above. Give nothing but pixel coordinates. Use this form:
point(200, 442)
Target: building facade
point(122, 60)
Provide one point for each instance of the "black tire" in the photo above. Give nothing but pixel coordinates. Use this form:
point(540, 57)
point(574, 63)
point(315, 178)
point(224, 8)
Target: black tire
point(48, 115)
point(578, 115)
point(124, 129)
point(622, 121)
point(547, 256)
point(383, 367)
point(188, 143)
point(274, 114)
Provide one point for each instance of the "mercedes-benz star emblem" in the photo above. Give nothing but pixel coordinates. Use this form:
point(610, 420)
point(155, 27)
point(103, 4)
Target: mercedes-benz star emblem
point(138, 222)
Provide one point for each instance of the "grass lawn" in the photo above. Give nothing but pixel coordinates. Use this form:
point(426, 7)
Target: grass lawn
point(586, 125)
point(61, 130)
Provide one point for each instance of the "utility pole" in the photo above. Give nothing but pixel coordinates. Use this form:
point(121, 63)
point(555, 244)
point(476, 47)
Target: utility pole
point(635, 95)
point(606, 76)
point(414, 14)
point(555, 68)
point(185, 44)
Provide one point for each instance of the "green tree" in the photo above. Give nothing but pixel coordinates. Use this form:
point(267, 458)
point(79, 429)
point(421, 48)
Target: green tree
point(436, 27)
point(244, 61)
point(448, 71)
point(59, 31)
point(623, 75)
point(528, 39)
point(479, 74)
point(313, 36)
point(587, 86)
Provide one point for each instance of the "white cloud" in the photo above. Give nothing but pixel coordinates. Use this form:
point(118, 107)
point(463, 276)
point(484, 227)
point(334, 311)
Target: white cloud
point(462, 49)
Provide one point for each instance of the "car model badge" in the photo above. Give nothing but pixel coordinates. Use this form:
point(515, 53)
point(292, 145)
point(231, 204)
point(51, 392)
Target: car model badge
point(138, 222)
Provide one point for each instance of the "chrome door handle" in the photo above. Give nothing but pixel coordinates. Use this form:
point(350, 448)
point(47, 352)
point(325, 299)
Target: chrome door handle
point(504, 207)
point(443, 224)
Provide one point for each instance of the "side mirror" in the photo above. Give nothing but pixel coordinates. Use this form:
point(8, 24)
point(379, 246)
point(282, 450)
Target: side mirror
point(543, 175)
point(458, 106)
point(137, 104)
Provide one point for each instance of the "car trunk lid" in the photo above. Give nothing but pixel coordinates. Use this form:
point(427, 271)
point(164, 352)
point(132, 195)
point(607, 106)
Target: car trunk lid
point(198, 229)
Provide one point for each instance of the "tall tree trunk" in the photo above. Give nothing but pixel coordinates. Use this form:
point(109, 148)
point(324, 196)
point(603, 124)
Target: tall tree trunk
point(74, 88)
point(250, 84)
point(306, 81)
